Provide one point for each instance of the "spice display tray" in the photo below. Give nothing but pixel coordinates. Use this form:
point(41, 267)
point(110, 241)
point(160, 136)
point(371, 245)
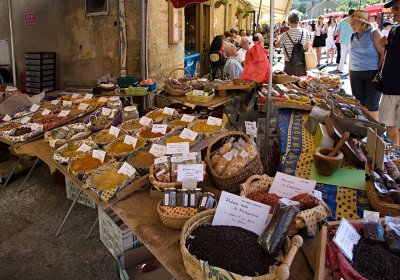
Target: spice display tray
point(73, 190)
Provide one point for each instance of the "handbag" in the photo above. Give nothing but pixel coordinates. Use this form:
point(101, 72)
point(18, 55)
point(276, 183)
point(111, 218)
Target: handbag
point(311, 59)
point(323, 35)
point(377, 81)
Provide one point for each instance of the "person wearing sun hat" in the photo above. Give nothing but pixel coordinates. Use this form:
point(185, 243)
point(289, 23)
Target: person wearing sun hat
point(366, 52)
point(389, 111)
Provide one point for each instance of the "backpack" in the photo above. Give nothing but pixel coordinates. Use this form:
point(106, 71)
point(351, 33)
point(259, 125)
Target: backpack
point(297, 57)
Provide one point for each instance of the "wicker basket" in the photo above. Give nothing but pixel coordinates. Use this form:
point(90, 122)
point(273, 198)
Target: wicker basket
point(193, 265)
point(264, 183)
point(232, 183)
point(177, 92)
point(160, 186)
point(384, 209)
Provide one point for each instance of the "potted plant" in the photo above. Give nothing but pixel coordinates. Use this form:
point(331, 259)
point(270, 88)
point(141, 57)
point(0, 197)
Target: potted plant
point(239, 10)
point(246, 14)
point(220, 2)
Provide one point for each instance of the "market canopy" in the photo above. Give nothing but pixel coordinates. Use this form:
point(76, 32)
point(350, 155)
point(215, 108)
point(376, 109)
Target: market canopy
point(282, 8)
point(375, 8)
point(183, 3)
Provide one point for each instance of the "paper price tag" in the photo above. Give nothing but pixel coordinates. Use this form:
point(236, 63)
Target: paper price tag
point(317, 194)
point(178, 148)
point(228, 156)
point(75, 95)
point(214, 121)
point(158, 150)
point(25, 120)
point(197, 92)
point(251, 128)
point(188, 134)
point(103, 99)
point(7, 118)
point(67, 103)
point(88, 96)
point(160, 160)
point(159, 128)
point(84, 148)
point(346, 238)
point(288, 186)
point(45, 112)
point(127, 169)
point(34, 108)
point(161, 172)
point(55, 102)
point(145, 121)
point(130, 140)
point(282, 87)
point(187, 118)
point(83, 106)
point(190, 171)
point(190, 156)
point(36, 126)
point(114, 131)
point(371, 215)
point(64, 113)
point(105, 111)
point(244, 154)
point(168, 111)
point(99, 154)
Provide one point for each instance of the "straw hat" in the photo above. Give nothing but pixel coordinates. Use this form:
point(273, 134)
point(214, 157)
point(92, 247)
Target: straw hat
point(359, 15)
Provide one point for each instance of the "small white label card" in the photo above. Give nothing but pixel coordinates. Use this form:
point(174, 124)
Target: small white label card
point(25, 120)
point(84, 148)
point(105, 111)
point(158, 150)
point(36, 126)
point(130, 140)
point(34, 108)
point(55, 102)
point(83, 106)
point(187, 118)
point(67, 103)
point(188, 134)
point(99, 154)
point(317, 194)
point(127, 169)
point(178, 148)
point(346, 238)
point(114, 131)
point(7, 118)
point(168, 111)
point(145, 121)
point(228, 156)
point(214, 121)
point(371, 215)
point(197, 92)
point(190, 156)
point(88, 96)
point(251, 128)
point(159, 128)
point(190, 171)
point(282, 87)
point(64, 113)
point(75, 95)
point(160, 160)
point(244, 154)
point(234, 210)
point(103, 99)
point(288, 186)
point(45, 112)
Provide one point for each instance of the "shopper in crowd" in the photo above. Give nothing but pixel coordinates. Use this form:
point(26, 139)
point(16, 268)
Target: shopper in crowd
point(345, 31)
point(312, 24)
point(330, 30)
point(387, 25)
point(373, 21)
point(389, 111)
point(242, 33)
point(217, 45)
point(228, 37)
point(365, 53)
point(284, 27)
point(235, 36)
point(244, 47)
point(319, 39)
point(232, 67)
point(288, 40)
point(249, 36)
point(338, 48)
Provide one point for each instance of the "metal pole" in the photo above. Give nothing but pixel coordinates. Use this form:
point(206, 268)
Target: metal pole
point(11, 173)
point(259, 13)
point(14, 70)
point(123, 43)
point(91, 229)
point(143, 39)
point(69, 211)
point(27, 176)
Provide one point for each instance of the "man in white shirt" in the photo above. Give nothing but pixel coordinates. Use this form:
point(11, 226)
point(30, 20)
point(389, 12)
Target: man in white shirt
point(244, 47)
point(232, 67)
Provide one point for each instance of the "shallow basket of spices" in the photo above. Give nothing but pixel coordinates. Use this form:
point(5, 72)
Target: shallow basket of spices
point(258, 185)
point(199, 269)
point(232, 182)
point(176, 88)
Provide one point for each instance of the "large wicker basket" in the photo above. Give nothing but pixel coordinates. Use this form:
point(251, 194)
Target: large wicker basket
point(315, 215)
point(177, 92)
point(193, 265)
point(384, 209)
point(232, 183)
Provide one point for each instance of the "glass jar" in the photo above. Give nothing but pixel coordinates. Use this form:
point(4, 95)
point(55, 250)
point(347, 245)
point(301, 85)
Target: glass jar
point(114, 103)
point(207, 201)
point(194, 197)
point(170, 197)
point(129, 113)
point(182, 198)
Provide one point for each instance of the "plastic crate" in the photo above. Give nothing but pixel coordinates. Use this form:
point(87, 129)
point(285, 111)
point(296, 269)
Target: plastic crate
point(199, 98)
point(72, 192)
point(127, 81)
point(114, 234)
point(137, 91)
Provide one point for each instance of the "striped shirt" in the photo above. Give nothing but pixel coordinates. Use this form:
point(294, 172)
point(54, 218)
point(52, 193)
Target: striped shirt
point(295, 35)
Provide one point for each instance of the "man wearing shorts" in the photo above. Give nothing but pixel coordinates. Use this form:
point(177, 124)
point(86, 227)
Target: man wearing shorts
point(389, 110)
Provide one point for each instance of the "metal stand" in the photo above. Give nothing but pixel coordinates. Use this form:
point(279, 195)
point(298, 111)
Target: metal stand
point(91, 229)
point(29, 174)
point(69, 211)
point(11, 173)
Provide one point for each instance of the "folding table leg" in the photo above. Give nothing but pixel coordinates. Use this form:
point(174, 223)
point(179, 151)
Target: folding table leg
point(11, 173)
point(29, 174)
point(69, 211)
point(91, 229)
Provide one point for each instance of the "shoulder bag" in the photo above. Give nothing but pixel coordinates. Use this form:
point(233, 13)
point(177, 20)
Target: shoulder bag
point(377, 81)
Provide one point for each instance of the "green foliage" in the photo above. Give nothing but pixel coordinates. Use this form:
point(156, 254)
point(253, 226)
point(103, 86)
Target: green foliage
point(223, 2)
point(240, 10)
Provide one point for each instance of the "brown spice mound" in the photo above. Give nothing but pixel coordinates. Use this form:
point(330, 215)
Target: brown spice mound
point(231, 248)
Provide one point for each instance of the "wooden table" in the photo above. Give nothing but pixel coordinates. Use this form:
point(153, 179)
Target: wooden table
point(223, 88)
point(217, 101)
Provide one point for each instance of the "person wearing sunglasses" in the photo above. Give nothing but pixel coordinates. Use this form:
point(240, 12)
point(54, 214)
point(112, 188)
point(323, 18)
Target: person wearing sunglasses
point(366, 52)
point(389, 111)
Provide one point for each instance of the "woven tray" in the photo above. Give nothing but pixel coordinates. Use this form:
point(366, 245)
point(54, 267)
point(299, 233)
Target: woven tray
point(177, 92)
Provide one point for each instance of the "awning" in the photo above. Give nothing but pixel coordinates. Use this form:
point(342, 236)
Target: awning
point(183, 3)
point(375, 8)
point(281, 10)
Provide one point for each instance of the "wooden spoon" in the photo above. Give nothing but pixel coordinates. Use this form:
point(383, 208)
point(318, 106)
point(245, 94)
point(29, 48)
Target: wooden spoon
point(339, 144)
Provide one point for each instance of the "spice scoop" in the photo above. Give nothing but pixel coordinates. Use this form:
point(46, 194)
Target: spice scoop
point(328, 160)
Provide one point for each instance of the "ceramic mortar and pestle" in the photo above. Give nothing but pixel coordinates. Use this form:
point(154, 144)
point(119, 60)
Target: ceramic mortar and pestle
point(328, 160)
